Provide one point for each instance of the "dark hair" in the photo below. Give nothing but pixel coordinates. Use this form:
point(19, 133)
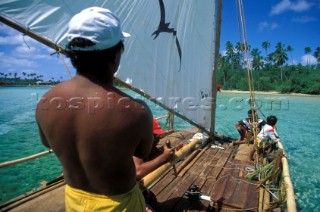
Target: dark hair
point(251, 111)
point(84, 61)
point(272, 120)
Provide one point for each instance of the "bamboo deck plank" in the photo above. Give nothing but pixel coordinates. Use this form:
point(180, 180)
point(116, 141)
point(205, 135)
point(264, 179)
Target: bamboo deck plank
point(182, 185)
point(218, 175)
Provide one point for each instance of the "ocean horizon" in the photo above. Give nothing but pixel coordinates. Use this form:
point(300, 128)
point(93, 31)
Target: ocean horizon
point(298, 126)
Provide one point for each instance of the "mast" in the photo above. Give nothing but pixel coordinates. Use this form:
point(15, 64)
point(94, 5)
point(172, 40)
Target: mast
point(215, 66)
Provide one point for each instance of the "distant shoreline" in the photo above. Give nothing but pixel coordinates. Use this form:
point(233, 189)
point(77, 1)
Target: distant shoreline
point(222, 91)
point(267, 93)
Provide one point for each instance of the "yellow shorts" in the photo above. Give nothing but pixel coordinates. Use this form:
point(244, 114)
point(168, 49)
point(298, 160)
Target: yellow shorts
point(78, 200)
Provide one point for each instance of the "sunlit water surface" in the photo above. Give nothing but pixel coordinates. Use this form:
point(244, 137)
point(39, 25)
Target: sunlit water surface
point(298, 126)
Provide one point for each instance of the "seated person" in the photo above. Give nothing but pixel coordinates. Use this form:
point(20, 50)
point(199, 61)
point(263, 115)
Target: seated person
point(244, 127)
point(267, 136)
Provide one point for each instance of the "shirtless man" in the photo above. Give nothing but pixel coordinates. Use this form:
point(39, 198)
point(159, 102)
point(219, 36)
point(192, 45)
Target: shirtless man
point(244, 127)
point(94, 128)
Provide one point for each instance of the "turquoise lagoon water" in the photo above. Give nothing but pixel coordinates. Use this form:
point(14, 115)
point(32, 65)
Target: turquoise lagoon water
point(298, 127)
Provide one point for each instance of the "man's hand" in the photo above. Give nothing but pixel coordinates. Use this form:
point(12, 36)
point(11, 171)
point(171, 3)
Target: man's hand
point(168, 153)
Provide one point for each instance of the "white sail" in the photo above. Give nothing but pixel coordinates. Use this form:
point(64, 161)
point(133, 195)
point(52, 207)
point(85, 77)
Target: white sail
point(170, 54)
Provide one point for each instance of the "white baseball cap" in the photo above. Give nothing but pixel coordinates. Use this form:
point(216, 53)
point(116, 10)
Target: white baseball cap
point(98, 25)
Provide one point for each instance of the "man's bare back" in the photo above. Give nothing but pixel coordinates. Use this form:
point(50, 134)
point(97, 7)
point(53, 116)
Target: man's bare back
point(94, 132)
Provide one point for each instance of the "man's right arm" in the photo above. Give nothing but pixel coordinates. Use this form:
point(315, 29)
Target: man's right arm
point(143, 168)
point(144, 147)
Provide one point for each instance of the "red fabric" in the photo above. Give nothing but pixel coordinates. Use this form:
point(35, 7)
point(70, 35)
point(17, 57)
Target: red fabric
point(157, 128)
point(218, 87)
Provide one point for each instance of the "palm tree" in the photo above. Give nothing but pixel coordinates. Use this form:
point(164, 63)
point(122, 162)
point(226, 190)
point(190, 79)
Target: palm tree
point(229, 51)
point(240, 49)
point(255, 52)
point(307, 50)
point(316, 54)
point(257, 63)
point(280, 56)
point(266, 46)
point(290, 49)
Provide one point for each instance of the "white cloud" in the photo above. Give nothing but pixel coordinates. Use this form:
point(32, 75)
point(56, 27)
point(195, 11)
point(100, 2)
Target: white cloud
point(266, 26)
point(5, 29)
point(300, 6)
point(308, 59)
point(294, 62)
point(280, 7)
point(303, 19)
point(7, 61)
point(288, 5)
point(273, 26)
point(10, 40)
point(30, 52)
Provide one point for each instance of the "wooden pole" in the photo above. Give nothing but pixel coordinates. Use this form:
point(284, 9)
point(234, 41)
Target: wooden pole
point(266, 198)
point(291, 202)
point(215, 67)
point(154, 100)
point(148, 180)
point(14, 162)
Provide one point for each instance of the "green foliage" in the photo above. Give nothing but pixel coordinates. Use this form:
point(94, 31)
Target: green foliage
point(270, 73)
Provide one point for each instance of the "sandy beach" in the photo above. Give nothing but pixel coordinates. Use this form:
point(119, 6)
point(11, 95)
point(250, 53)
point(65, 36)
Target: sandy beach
point(266, 93)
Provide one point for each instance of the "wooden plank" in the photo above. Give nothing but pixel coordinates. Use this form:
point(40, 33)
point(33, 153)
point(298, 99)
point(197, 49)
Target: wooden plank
point(235, 193)
point(243, 196)
point(190, 205)
point(169, 188)
point(236, 168)
point(168, 203)
point(211, 159)
point(163, 182)
point(243, 152)
point(188, 162)
point(214, 173)
point(196, 159)
point(204, 160)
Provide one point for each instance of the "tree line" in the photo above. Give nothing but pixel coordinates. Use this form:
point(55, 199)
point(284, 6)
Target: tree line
point(272, 71)
point(12, 79)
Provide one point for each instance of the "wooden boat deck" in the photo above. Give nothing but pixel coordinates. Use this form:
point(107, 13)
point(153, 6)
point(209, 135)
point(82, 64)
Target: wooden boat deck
point(218, 172)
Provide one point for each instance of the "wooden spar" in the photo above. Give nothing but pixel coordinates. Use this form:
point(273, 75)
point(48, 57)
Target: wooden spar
point(148, 180)
point(291, 203)
point(215, 67)
point(154, 100)
point(14, 162)
point(33, 35)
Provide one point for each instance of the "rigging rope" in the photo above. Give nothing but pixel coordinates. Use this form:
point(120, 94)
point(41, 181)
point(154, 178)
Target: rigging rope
point(244, 46)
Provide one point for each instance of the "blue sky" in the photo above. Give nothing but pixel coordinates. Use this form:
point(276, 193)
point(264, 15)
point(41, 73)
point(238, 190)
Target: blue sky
point(292, 22)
